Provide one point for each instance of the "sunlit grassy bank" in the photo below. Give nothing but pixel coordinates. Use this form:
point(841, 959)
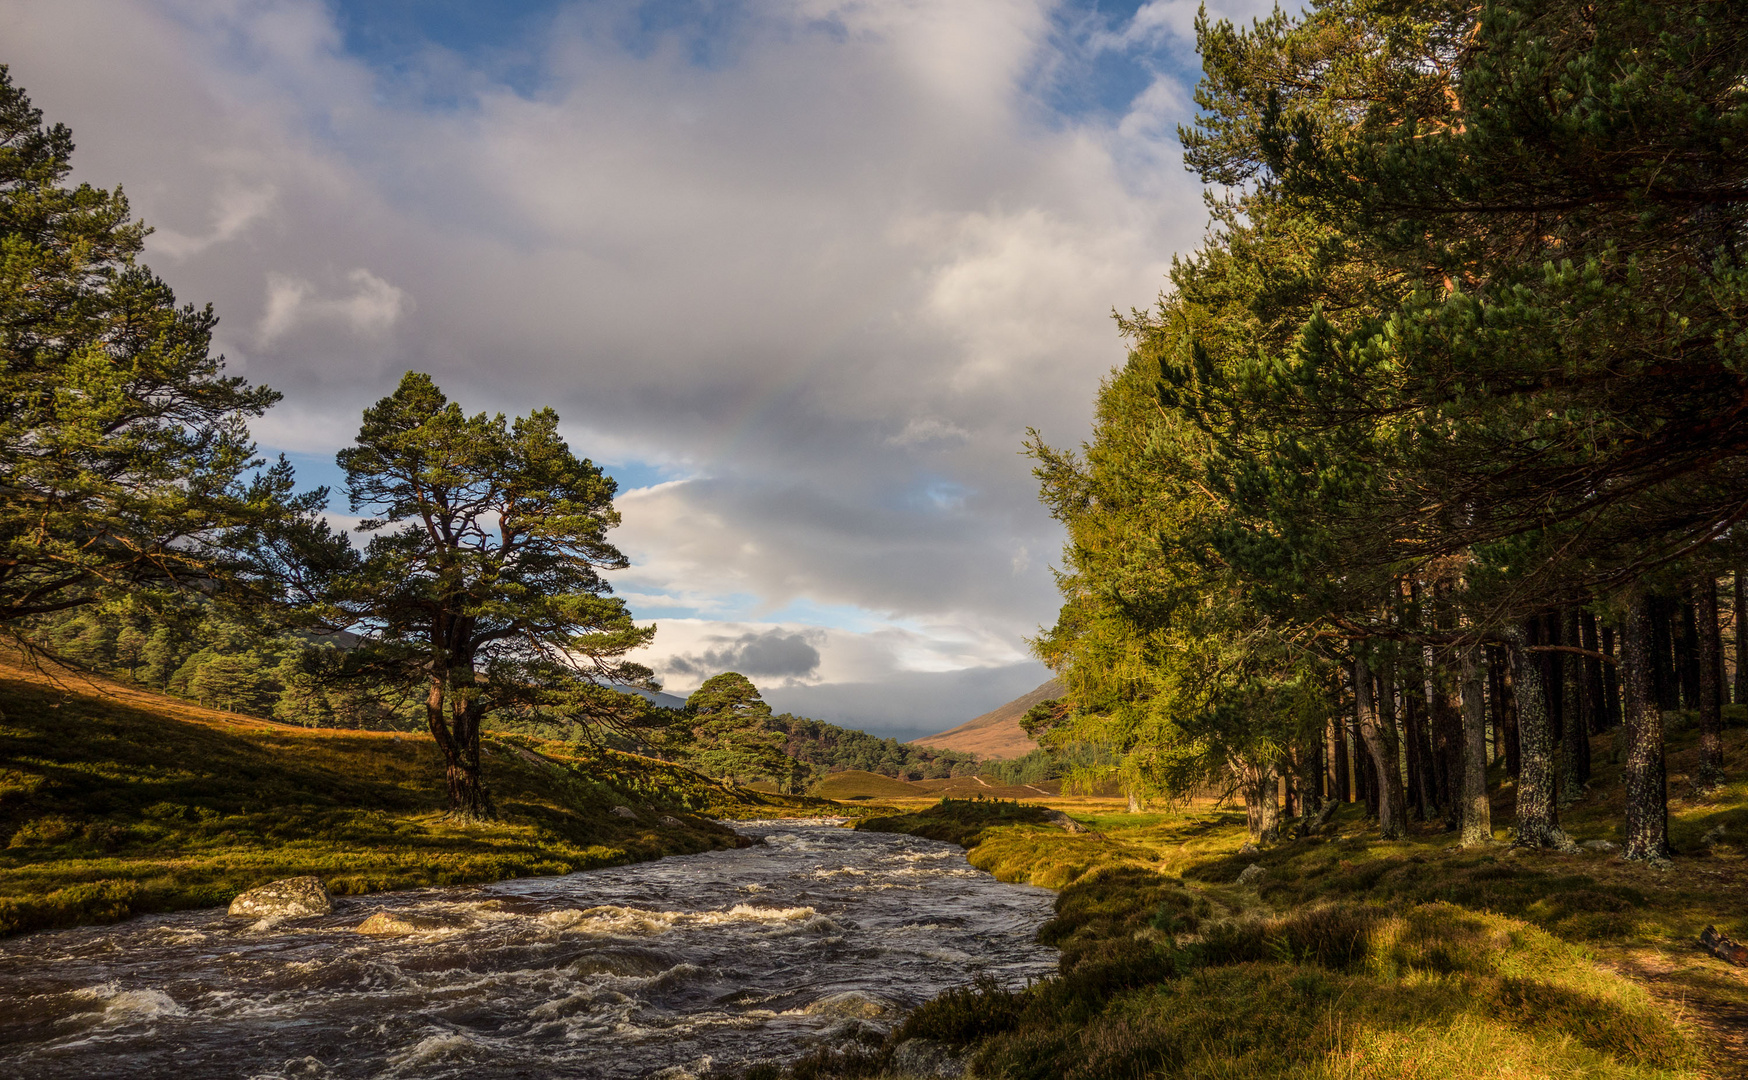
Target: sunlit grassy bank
point(115, 801)
point(1344, 956)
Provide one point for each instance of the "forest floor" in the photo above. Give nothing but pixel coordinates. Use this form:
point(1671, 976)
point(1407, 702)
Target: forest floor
point(116, 801)
point(1341, 955)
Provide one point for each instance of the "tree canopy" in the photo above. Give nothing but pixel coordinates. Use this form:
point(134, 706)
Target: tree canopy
point(125, 457)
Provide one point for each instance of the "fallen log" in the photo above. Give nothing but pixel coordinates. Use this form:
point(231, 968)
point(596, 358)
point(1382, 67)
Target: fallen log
point(1723, 948)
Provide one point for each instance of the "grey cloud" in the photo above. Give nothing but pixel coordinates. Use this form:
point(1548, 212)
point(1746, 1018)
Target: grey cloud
point(774, 652)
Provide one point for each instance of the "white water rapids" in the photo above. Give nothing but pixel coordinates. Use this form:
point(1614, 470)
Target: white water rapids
point(813, 936)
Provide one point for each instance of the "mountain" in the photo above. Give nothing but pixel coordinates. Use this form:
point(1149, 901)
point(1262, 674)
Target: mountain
point(654, 697)
point(997, 733)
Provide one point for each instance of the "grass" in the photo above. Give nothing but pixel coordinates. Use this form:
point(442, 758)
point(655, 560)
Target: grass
point(856, 784)
point(1349, 956)
point(115, 801)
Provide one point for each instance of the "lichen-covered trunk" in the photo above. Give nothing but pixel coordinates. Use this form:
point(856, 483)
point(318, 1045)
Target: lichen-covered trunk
point(1262, 810)
point(1739, 608)
point(1647, 827)
point(1538, 823)
point(1381, 749)
point(1710, 771)
point(1477, 818)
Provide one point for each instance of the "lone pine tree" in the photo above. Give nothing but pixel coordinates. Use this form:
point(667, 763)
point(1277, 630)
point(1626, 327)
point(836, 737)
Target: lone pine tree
point(482, 582)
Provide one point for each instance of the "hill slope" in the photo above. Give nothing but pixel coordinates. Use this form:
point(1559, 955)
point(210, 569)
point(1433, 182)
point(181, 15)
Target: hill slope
point(115, 800)
point(997, 733)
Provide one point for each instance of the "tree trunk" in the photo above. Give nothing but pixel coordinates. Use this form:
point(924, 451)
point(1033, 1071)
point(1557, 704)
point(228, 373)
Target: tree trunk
point(1447, 734)
point(1496, 705)
point(1554, 691)
point(1385, 704)
point(1538, 822)
point(1647, 829)
point(1665, 685)
point(1575, 734)
point(1419, 791)
point(1611, 681)
point(1341, 785)
point(1688, 656)
point(1508, 709)
point(1365, 774)
point(1739, 596)
point(1261, 812)
point(1477, 813)
point(1597, 713)
point(453, 715)
point(1381, 745)
point(1710, 772)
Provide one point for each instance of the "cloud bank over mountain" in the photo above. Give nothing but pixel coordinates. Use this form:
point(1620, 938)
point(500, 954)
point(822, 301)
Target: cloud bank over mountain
point(800, 274)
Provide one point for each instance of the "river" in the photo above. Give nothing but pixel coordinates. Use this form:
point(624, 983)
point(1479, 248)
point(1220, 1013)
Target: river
point(813, 935)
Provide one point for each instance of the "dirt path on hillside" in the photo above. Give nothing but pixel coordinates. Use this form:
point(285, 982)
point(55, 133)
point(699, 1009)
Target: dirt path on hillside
point(1704, 993)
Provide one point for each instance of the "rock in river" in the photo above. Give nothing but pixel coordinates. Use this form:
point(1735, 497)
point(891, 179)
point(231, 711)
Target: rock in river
point(292, 898)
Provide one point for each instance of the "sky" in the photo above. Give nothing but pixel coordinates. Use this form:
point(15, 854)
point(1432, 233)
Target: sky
point(799, 274)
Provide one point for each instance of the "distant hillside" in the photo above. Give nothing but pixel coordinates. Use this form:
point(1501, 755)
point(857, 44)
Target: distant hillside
point(997, 733)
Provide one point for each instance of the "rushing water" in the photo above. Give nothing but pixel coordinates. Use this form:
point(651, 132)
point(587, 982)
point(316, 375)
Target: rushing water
point(812, 936)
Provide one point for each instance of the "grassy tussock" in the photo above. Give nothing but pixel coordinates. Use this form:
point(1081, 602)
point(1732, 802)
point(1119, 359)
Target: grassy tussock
point(957, 821)
point(111, 807)
point(1349, 958)
point(1432, 991)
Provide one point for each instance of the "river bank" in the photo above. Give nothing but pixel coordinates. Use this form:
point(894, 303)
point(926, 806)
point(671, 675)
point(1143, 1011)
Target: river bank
point(115, 801)
point(1339, 955)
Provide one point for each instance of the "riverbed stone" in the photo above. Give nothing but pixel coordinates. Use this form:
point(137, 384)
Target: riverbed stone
point(290, 898)
point(852, 1004)
point(926, 1058)
point(401, 923)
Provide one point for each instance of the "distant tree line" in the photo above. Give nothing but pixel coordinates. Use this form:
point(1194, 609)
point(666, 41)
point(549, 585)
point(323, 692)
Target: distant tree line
point(1434, 454)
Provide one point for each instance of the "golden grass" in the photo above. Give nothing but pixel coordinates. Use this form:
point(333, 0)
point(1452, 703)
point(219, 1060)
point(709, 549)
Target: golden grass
point(1353, 957)
point(115, 801)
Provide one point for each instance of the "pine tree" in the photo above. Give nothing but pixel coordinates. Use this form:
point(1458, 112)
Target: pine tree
point(124, 451)
point(481, 585)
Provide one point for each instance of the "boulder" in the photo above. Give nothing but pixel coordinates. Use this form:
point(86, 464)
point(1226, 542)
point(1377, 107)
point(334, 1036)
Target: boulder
point(1599, 845)
point(1252, 874)
point(1248, 848)
point(291, 898)
point(672, 822)
point(624, 812)
point(926, 1058)
point(1064, 822)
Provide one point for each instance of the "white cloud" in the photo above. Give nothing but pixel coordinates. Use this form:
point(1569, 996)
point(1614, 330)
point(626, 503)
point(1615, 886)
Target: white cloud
point(369, 306)
point(830, 277)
